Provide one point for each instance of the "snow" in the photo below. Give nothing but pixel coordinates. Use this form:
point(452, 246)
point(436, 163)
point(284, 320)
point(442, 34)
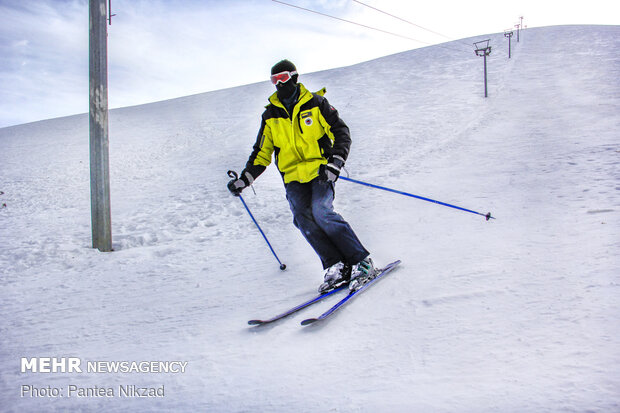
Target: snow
point(518, 314)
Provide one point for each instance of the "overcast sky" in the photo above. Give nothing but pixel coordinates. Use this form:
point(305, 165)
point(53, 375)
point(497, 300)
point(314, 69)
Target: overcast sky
point(161, 49)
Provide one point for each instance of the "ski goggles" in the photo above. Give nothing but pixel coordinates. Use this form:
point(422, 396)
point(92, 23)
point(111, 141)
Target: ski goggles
point(282, 77)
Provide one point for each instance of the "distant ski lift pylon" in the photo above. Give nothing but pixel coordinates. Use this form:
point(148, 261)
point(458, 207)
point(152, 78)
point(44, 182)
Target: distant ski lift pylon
point(508, 34)
point(483, 50)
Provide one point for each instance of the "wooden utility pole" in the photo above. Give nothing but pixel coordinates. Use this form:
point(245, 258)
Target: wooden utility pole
point(98, 119)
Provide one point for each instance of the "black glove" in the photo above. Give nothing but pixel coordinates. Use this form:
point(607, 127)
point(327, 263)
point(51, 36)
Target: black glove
point(331, 171)
point(236, 185)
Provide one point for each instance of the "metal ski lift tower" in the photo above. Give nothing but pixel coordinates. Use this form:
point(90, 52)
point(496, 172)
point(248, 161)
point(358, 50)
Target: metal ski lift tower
point(483, 49)
point(98, 115)
point(508, 33)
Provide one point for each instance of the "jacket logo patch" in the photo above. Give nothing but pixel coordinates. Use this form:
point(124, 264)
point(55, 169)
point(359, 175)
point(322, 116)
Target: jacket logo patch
point(308, 121)
point(305, 114)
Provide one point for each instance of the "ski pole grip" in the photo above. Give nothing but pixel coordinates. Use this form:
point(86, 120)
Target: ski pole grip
point(233, 174)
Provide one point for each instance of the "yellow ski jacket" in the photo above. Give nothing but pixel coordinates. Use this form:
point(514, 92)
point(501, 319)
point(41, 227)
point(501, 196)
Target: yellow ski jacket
point(302, 140)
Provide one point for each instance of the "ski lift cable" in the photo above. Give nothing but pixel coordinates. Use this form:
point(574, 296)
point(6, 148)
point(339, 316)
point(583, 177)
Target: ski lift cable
point(348, 21)
point(360, 24)
point(401, 19)
point(404, 20)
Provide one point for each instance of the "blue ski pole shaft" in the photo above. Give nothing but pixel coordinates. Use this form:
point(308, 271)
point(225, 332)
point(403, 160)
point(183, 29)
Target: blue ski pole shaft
point(234, 175)
point(282, 266)
point(487, 215)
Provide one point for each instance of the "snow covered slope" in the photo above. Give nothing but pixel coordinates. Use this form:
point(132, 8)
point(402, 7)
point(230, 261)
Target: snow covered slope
point(519, 314)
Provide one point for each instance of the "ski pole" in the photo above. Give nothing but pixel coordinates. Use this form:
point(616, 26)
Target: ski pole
point(234, 175)
point(487, 215)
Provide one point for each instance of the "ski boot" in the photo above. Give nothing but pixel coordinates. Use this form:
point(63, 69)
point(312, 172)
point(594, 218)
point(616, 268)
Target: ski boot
point(361, 273)
point(335, 276)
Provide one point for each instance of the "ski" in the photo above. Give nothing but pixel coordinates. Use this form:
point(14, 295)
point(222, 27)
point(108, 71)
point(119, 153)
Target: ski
point(352, 294)
point(297, 308)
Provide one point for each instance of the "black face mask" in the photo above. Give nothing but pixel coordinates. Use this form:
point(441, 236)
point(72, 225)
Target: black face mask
point(286, 90)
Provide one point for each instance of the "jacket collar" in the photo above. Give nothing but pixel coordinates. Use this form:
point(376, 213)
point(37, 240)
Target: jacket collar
point(304, 96)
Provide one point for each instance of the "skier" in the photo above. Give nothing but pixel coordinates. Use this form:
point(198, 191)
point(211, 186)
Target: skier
point(311, 144)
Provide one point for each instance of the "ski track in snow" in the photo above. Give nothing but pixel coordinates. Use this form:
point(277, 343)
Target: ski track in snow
point(519, 314)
